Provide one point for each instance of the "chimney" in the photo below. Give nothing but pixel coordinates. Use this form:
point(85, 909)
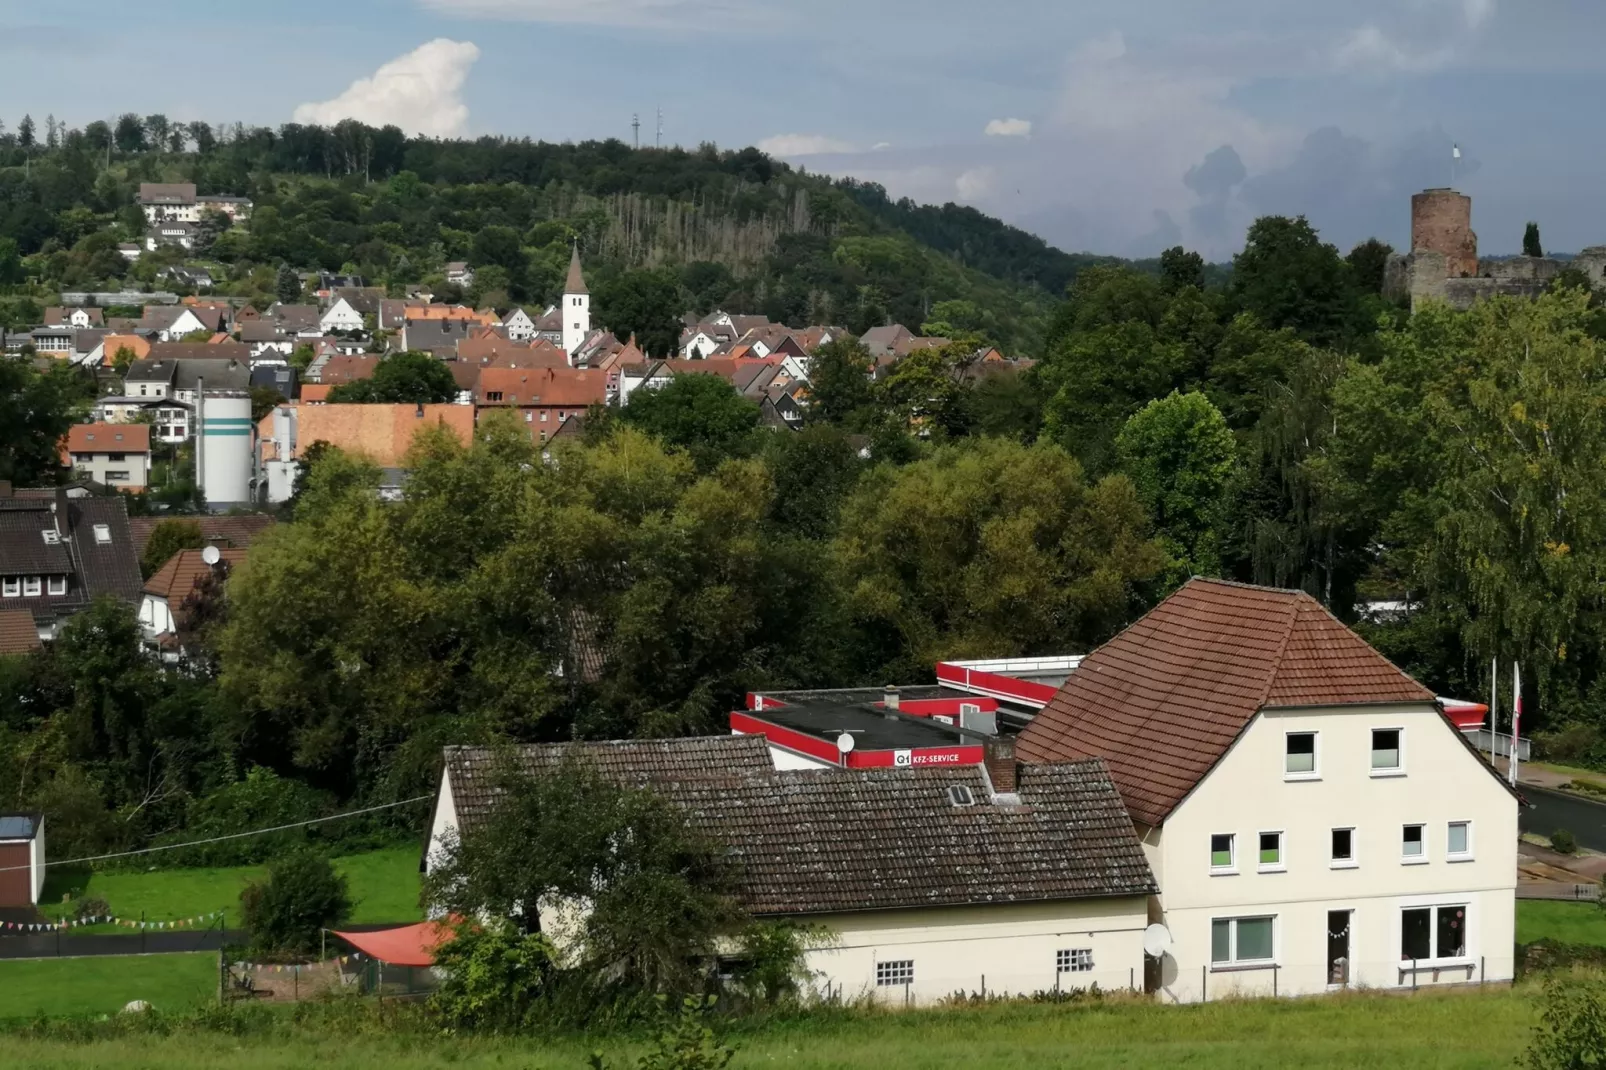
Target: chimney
point(58, 511)
point(5, 488)
point(998, 758)
point(889, 697)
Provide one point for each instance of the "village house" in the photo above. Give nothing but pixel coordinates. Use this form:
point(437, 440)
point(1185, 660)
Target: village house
point(543, 397)
point(58, 552)
point(161, 609)
point(1312, 816)
point(178, 201)
point(179, 381)
point(341, 316)
point(925, 882)
point(381, 433)
point(458, 273)
point(117, 455)
point(518, 325)
point(74, 317)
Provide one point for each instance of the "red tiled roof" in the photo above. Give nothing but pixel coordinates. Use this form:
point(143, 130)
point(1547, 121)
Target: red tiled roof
point(524, 387)
point(18, 634)
point(176, 580)
point(221, 531)
point(1162, 701)
point(109, 438)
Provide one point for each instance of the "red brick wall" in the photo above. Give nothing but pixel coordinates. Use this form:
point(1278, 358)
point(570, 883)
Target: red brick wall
point(1441, 222)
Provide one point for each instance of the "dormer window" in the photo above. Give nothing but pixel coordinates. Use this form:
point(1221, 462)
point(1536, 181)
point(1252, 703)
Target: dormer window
point(32, 587)
point(57, 586)
point(52, 537)
point(11, 587)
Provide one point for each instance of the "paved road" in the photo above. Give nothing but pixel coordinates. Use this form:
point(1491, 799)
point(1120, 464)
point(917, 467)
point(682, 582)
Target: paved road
point(1551, 810)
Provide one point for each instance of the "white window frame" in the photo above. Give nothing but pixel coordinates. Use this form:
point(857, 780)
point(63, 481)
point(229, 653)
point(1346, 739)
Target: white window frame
point(1231, 868)
point(1459, 856)
point(895, 973)
point(1279, 866)
point(1434, 904)
point(11, 587)
point(1315, 772)
point(1397, 770)
point(1354, 859)
point(1073, 960)
point(56, 586)
point(1418, 859)
point(32, 587)
point(103, 534)
point(1233, 962)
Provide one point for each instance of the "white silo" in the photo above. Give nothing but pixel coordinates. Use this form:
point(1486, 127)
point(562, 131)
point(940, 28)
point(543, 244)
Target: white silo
point(225, 448)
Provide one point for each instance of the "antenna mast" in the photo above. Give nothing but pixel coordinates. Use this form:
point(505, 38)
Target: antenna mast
point(635, 128)
point(658, 139)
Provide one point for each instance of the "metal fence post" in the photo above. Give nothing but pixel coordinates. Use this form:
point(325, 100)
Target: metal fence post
point(1413, 975)
point(1481, 961)
point(1132, 978)
point(1274, 970)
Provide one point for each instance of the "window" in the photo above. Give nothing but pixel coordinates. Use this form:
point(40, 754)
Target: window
point(1271, 852)
point(1412, 846)
point(103, 534)
point(1299, 761)
point(529, 418)
point(57, 585)
point(543, 420)
point(11, 587)
point(1236, 941)
point(32, 587)
point(895, 972)
point(118, 457)
point(496, 395)
point(1433, 933)
point(1074, 960)
point(53, 538)
point(960, 795)
point(1344, 848)
point(117, 476)
point(1223, 853)
point(1458, 841)
point(1387, 756)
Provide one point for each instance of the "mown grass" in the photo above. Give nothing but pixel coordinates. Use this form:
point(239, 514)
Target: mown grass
point(384, 886)
point(1474, 1028)
point(105, 984)
point(1560, 922)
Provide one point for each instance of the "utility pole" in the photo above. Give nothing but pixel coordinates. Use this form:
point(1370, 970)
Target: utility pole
point(635, 129)
point(658, 139)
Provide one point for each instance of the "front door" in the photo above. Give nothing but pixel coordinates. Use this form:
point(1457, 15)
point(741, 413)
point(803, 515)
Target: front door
point(1338, 958)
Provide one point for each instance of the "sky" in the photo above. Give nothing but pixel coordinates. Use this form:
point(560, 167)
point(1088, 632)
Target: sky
point(1112, 126)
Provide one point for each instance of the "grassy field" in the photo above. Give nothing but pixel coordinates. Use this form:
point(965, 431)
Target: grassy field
point(1448, 1030)
point(102, 985)
point(1560, 921)
point(384, 887)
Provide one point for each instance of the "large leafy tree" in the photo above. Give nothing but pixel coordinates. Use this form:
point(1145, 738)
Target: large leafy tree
point(1288, 277)
point(409, 378)
point(839, 383)
point(701, 414)
point(1180, 455)
point(991, 548)
point(645, 303)
point(36, 409)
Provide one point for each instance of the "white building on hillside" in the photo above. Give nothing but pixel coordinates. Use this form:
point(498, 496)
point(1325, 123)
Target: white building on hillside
point(1312, 816)
point(575, 307)
point(991, 877)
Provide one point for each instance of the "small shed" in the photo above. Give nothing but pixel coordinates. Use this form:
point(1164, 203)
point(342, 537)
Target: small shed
point(22, 859)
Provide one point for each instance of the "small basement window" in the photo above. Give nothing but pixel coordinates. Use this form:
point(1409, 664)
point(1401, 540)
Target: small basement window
point(960, 795)
point(895, 972)
point(1074, 960)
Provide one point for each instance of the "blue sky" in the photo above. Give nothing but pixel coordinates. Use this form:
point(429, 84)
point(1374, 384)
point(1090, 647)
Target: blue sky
point(1109, 125)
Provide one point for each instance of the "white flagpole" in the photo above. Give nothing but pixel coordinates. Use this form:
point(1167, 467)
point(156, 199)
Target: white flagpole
point(1494, 708)
point(1516, 716)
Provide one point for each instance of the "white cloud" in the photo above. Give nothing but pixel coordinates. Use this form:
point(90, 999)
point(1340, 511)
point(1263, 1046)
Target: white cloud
point(663, 14)
point(419, 92)
point(1370, 47)
point(1478, 12)
point(804, 145)
point(977, 182)
point(1008, 128)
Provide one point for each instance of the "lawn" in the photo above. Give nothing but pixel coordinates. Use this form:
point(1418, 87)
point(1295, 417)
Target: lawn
point(1560, 921)
point(384, 887)
point(1439, 1030)
point(105, 984)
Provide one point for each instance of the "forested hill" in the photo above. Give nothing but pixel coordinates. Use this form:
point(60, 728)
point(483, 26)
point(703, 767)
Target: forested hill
point(732, 229)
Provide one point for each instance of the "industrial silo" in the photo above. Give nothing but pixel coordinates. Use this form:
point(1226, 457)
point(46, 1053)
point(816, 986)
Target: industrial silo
point(225, 449)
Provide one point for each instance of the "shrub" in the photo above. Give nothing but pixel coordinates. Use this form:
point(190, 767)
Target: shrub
point(688, 1042)
point(263, 799)
point(301, 895)
point(494, 974)
point(1563, 842)
point(1572, 1025)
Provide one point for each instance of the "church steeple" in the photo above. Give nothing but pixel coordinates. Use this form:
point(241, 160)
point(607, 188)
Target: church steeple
point(576, 307)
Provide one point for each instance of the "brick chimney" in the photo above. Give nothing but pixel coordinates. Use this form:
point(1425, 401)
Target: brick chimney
point(1003, 772)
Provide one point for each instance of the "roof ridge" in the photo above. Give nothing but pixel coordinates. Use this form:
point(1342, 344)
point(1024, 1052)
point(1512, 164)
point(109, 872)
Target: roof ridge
point(1294, 606)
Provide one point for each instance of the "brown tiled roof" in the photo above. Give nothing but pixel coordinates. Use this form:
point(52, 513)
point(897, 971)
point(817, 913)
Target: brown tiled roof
point(575, 283)
point(176, 579)
point(820, 841)
point(237, 351)
point(109, 438)
point(1162, 701)
point(525, 387)
point(347, 370)
point(221, 531)
point(382, 433)
point(18, 633)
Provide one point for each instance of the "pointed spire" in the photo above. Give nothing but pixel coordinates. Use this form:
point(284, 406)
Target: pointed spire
point(576, 283)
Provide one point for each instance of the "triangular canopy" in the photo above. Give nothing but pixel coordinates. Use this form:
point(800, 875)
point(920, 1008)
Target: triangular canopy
point(409, 945)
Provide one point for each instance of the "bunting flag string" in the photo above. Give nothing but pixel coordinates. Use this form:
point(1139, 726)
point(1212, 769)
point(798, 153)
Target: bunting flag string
point(124, 923)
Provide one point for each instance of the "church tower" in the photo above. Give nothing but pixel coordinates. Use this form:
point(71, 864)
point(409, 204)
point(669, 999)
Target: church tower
point(576, 308)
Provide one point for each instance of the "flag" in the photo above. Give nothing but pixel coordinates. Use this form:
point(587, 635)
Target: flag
point(1516, 716)
point(1455, 152)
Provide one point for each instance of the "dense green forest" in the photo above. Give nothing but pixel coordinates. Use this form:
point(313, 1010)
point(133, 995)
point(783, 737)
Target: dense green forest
point(735, 230)
point(1286, 426)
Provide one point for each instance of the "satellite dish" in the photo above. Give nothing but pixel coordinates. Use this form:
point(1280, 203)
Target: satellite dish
point(211, 555)
point(1156, 941)
point(844, 743)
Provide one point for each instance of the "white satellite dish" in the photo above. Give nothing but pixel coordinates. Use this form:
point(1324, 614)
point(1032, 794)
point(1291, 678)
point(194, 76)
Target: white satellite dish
point(1156, 941)
point(211, 555)
point(844, 743)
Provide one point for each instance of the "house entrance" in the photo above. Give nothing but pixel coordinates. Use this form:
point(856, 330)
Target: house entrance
point(1338, 942)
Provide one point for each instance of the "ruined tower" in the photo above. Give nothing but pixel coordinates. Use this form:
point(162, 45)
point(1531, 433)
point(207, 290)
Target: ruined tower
point(1441, 222)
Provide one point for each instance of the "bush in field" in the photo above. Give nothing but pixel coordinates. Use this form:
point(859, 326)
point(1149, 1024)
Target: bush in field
point(301, 895)
point(1571, 1034)
point(1563, 842)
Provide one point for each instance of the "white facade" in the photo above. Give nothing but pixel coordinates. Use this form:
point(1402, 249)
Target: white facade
point(156, 616)
point(225, 448)
point(699, 345)
point(576, 311)
point(185, 324)
point(520, 327)
point(1255, 916)
point(341, 317)
point(123, 471)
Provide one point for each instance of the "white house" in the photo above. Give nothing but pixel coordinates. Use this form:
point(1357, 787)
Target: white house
point(1312, 817)
point(575, 307)
point(170, 232)
point(519, 326)
point(183, 324)
point(927, 882)
point(341, 317)
point(649, 374)
point(162, 601)
point(696, 344)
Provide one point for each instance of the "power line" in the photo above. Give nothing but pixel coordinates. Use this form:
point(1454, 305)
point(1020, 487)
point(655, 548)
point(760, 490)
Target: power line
point(220, 839)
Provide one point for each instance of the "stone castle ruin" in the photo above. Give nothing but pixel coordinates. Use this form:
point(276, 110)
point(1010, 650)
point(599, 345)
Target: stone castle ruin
point(1443, 263)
